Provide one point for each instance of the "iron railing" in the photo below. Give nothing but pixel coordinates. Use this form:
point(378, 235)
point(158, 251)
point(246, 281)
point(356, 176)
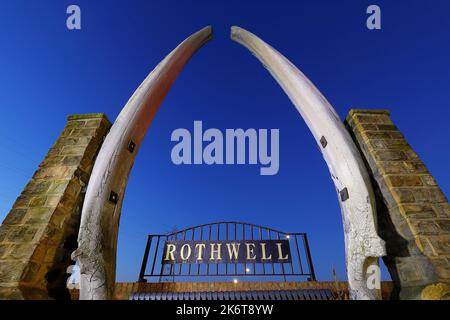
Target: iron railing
point(157, 270)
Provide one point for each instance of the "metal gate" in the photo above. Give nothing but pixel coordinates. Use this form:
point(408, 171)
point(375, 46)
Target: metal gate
point(155, 268)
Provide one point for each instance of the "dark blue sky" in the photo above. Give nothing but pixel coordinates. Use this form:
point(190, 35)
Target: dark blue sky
point(48, 72)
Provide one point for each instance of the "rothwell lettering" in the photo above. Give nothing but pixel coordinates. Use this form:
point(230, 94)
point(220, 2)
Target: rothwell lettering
point(254, 251)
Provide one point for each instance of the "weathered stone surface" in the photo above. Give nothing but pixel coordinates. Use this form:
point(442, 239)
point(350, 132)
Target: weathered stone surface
point(413, 212)
point(33, 237)
point(439, 291)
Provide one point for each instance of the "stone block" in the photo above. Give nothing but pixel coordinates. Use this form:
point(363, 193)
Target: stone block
point(21, 251)
point(376, 135)
point(10, 293)
point(428, 180)
point(377, 144)
point(389, 155)
point(22, 201)
point(39, 215)
point(444, 224)
point(403, 195)
point(388, 168)
point(37, 187)
point(57, 187)
point(424, 227)
point(396, 135)
point(73, 150)
point(9, 272)
point(405, 181)
point(15, 216)
point(416, 167)
point(5, 249)
point(21, 233)
point(33, 237)
point(368, 126)
point(387, 127)
point(442, 269)
point(442, 209)
point(436, 245)
point(417, 211)
point(396, 144)
point(71, 160)
point(428, 195)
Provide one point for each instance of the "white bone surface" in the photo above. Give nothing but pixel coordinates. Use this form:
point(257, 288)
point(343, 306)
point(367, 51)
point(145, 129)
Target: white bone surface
point(97, 239)
point(363, 245)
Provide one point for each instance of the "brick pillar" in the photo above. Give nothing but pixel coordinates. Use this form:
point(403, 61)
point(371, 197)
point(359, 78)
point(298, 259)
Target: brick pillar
point(413, 213)
point(40, 232)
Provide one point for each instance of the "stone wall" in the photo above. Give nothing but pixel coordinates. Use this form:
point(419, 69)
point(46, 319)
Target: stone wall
point(40, 232)
point(413, 212)
point(123, 290)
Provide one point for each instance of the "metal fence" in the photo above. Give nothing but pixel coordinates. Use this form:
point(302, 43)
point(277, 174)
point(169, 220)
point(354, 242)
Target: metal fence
point(154, 269)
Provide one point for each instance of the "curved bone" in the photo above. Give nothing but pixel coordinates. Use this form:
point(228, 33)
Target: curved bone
point(97, 237)
point(363, 245)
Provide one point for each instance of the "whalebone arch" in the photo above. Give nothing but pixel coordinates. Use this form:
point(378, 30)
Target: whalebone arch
point(96, 253)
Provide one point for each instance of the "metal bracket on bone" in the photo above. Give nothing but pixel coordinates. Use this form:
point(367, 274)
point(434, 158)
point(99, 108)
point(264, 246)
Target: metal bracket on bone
point(113, 197)
point(344, 194)
point(323, 142)
point(131, 146)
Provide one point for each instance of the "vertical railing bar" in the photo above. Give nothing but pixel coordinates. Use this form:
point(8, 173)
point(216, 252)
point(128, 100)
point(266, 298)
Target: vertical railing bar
point(251, 237)
point(161, 270)
point(226, 238)
point(172, 267)
point(298, 254)
point(282, 263)
point(156, 253)
point(260, 238)
point(180, 271)
point(308, 258)
point(145, 259)
point(207, 263)
point(235, 238)
point(201, 238)
point(218, 239)
point(189, 263)
point(289, 241)
point(243, 240)
point(171, 272)
point(270, 238)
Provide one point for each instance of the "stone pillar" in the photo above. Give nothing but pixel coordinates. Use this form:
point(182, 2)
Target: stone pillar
point(413, 213)
point(40, 232)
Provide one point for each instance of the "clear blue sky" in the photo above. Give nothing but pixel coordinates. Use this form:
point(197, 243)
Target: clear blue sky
point(48, 72)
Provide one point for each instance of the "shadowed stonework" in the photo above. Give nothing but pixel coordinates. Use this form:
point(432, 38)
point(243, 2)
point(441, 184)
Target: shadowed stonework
point(123, 290)
point(40, 232)
point(413, 213)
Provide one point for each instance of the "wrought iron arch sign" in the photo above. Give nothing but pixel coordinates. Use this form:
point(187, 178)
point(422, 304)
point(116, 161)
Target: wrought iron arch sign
point(97, 240)
point(236, 240)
